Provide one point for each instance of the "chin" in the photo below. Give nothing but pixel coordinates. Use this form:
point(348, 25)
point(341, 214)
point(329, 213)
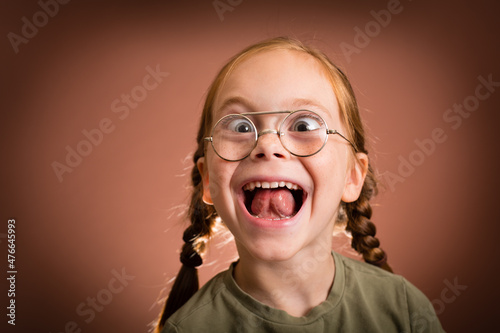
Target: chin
point(270, 250)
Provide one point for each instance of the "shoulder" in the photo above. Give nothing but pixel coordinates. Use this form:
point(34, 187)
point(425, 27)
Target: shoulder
point(390, 293)
point(360, 271)
point(213, 308)
point(369, 278)
point(201, 300)
point(208, 307)
point(370, 284)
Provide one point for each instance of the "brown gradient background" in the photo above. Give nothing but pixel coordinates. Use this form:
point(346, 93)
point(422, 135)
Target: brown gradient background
point(122, 206)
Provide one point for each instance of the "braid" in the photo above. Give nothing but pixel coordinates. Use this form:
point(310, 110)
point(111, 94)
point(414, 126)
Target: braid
point(202, 218)
point(362, 229)
point(359, 212)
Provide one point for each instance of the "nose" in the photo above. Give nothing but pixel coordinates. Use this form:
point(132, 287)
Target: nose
point(269, 146)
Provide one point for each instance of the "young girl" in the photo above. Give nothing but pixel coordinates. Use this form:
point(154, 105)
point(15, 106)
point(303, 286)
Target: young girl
point(281, 160)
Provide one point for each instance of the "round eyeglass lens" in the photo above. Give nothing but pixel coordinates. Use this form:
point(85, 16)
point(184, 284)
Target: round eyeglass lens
point(234, 137)
point(303, 133)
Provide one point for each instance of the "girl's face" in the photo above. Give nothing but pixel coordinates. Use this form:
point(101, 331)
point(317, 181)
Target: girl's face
point(273, 81)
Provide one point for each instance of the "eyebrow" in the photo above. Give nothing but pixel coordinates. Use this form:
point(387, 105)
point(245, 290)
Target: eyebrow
point(236, 100)
point(300, 102)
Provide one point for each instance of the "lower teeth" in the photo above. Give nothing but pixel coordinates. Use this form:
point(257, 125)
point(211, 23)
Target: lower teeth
point(275, 219)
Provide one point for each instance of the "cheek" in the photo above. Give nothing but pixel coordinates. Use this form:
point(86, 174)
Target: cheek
point(329, 171)
point(220, 176)
point(334, 161)
point(214, 187)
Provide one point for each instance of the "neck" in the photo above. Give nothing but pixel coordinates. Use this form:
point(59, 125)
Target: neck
point(287, 285)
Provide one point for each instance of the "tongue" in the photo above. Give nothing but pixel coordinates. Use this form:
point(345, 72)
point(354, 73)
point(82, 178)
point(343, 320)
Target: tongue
point(273, 204)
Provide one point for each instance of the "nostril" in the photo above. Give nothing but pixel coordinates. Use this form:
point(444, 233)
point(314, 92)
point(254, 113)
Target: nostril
point(262, 155)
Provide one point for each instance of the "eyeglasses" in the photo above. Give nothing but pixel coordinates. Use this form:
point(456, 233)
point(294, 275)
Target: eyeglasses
point(303, 133)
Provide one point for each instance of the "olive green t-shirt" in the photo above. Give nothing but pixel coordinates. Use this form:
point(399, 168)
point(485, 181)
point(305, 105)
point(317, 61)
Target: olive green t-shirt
point(363, 298)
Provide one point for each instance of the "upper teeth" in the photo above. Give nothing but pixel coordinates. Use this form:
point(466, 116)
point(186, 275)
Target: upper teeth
point(252, 185)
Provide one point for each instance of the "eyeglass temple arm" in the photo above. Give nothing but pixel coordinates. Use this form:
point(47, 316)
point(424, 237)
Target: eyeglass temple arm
point(333, 131)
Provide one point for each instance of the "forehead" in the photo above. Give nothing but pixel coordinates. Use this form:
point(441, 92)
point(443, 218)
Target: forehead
point(277, 80)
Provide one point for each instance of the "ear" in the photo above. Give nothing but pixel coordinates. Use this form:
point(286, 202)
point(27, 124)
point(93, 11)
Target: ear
point(202, 168)
point(355, 178)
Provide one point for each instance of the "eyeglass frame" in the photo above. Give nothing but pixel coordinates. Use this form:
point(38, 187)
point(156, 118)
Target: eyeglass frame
point(270, 131)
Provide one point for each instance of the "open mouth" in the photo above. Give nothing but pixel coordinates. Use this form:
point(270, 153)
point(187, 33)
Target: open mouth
point(273, 200)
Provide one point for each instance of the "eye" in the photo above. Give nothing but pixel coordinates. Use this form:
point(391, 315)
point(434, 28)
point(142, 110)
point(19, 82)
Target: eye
point(305, 124)
point(240, 125)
